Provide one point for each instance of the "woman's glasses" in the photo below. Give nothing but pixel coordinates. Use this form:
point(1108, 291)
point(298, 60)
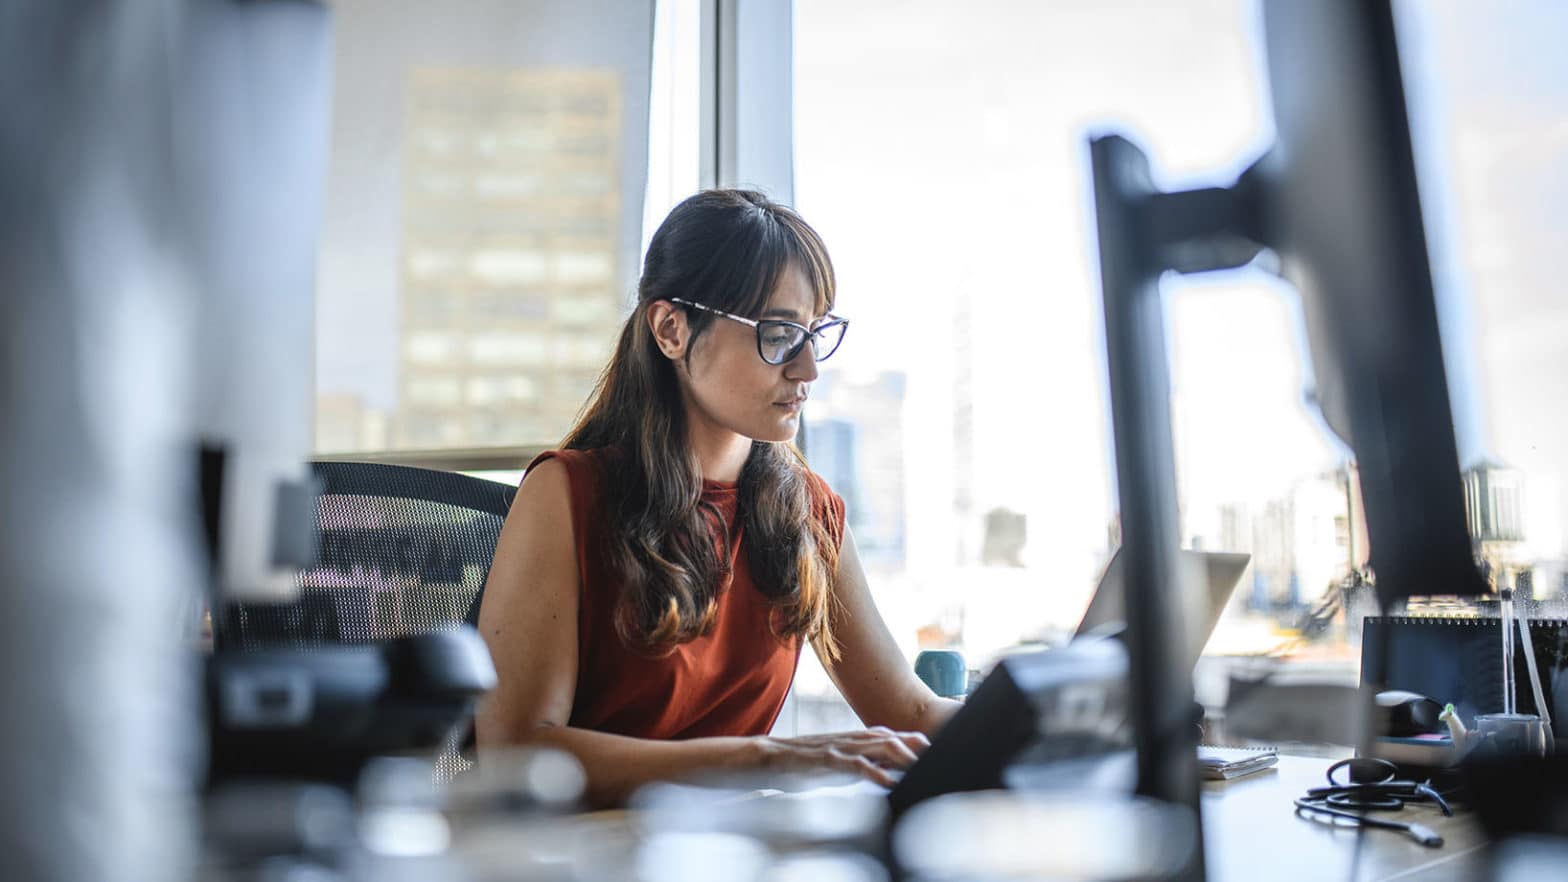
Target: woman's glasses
point(779, 341)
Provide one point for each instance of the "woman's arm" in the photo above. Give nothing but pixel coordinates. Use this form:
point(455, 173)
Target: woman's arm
point(617, 764)
point(871, 672)
point(529, 620)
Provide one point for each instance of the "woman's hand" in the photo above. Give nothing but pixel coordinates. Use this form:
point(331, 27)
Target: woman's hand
point(870, 753)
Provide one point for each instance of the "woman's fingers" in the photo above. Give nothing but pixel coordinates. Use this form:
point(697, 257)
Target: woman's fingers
point(884, 747)
point(894, 752)
point(876, 753)
point(910, 744)
point(858, 764)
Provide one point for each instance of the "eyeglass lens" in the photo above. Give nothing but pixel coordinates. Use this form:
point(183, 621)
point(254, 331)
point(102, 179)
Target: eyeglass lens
point(781, 342)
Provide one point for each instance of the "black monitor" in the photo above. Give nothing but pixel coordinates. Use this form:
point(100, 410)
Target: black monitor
point(1340, 209)
point(1045, 720)
point(1335, 201)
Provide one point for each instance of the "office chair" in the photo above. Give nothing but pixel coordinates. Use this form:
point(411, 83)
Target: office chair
point(403, 551)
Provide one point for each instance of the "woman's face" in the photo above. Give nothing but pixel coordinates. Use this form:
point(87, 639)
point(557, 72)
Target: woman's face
point(730, 387)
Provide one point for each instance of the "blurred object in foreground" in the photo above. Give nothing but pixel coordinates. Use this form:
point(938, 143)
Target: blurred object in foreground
point(1292, 709)
point(97, 546)
point(519, 780)
point(997, 835)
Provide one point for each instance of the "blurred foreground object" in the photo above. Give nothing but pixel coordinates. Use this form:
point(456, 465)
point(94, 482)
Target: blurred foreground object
point(159, 186)
point(97, 540)
point(997, 835)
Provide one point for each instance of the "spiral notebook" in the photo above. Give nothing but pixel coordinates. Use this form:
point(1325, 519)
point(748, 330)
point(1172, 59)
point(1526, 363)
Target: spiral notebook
point(1225, 763)
point(1460, 661)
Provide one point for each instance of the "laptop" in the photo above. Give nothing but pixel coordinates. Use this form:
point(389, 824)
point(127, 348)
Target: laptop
point(1216, 572)
point(1059, 715)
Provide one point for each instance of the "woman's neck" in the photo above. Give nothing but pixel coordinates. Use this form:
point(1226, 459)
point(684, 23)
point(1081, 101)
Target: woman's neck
point(720, 452)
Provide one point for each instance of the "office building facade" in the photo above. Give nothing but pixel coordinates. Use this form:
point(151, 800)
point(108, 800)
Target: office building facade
point(511, 206)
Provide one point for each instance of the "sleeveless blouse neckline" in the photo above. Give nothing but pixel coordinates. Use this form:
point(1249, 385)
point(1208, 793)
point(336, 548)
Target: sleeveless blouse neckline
point(711, 488)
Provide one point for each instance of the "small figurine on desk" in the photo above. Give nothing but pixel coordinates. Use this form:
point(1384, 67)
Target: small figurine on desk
point(1510, 732)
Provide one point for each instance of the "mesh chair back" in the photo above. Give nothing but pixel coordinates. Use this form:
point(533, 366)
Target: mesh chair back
point(403, 551)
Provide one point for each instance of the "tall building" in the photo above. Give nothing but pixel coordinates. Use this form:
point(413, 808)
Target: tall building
point(510, 214)
point(345, 422)
point(1492, 502)
point(1301, 543)
point(1494, 498)
point(832, 447)
point(856, 442)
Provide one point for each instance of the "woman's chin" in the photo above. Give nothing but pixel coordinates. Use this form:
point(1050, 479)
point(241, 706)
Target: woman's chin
point(783, 430)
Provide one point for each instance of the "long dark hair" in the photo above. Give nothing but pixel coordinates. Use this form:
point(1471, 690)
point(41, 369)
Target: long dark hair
point(726, 249)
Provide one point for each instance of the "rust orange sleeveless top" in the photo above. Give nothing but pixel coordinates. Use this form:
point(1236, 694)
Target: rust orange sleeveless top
point(731, 681)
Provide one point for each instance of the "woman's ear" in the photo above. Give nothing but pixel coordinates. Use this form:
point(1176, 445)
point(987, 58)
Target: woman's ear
point(668, 324)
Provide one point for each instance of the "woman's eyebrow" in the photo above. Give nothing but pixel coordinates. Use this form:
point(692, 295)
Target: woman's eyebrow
point(789, 314)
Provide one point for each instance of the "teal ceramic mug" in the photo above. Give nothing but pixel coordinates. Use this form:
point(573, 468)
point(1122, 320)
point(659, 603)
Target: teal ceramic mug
point(944, 671)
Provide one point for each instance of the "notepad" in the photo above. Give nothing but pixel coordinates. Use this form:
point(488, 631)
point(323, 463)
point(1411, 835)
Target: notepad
point(1225, 763)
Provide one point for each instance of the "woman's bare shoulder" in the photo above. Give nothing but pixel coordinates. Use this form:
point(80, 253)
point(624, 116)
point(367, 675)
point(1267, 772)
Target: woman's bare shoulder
point(535, 548)
point(547, 480)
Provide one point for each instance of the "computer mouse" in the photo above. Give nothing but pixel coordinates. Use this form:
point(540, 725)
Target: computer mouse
point(1407, 714)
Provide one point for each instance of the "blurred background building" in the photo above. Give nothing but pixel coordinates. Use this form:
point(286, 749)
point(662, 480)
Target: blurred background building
point(483, 220)
point(510, 203)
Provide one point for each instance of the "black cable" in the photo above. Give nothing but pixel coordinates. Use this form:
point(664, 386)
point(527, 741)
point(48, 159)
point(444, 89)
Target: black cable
point(1371, 785)
point(1419, 832)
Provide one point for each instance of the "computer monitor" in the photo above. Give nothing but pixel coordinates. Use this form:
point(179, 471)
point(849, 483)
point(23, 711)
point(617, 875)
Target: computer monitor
point(1340, 209)
point(1051, 719)
point(1335, 199)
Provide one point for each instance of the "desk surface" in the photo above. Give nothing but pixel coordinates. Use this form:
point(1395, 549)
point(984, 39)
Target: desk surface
point(1249, 824)
point(1250, 830)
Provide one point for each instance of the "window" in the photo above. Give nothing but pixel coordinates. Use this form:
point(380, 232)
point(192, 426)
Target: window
point(941, 151)
point(483, 217)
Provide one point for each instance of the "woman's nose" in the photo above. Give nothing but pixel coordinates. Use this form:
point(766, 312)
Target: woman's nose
point(803, 366)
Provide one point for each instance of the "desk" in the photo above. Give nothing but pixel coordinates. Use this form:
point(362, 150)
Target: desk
point(1250, 832)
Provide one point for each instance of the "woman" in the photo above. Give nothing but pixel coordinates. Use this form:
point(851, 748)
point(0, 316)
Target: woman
point(658, 575)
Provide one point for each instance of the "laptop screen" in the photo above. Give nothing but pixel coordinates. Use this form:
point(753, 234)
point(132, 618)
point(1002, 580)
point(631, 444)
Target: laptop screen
point(1209, 579)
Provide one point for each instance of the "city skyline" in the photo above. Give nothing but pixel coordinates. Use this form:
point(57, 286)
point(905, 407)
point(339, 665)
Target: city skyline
point(1019, 87)
point(508, 261)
